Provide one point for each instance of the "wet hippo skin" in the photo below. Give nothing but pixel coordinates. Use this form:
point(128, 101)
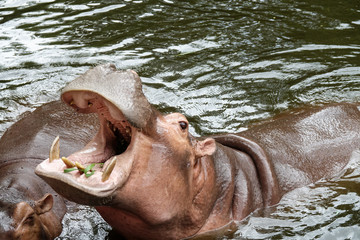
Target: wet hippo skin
point(29, 207)
point(159, 181)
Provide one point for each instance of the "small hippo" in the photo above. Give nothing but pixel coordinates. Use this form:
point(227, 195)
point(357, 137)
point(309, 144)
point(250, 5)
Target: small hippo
point(150, 178)
point(29, 208)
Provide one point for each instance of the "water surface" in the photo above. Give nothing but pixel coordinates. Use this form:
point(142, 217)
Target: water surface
point(224, 64)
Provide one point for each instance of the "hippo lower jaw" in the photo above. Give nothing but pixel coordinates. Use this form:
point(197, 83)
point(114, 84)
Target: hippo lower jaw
point(110, 154)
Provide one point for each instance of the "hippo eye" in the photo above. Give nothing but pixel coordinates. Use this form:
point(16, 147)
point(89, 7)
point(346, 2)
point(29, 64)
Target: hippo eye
point(183, 125)
point(30, 220)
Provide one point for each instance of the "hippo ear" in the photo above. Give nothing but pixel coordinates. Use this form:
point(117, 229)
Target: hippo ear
point(44, 204)
point(205, 148)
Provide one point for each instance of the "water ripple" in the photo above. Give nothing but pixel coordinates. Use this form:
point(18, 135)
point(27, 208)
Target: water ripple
point(224, 64)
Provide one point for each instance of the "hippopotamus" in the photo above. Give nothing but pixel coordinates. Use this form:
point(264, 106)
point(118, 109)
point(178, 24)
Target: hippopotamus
point(150, 178)
point(29, 208)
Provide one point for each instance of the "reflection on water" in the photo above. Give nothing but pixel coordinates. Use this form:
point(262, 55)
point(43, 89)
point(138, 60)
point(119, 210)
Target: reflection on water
point(224, 64)
point(325, 210)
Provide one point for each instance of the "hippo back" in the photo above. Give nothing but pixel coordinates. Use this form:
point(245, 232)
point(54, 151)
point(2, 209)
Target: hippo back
point(307, 145)
point(32, 135)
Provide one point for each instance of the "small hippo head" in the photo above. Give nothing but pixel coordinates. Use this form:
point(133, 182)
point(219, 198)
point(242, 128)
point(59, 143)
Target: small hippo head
point(142, 170)
point(23, 219)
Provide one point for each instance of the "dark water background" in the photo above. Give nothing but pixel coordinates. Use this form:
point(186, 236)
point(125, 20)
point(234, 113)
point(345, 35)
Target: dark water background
point(224, 64)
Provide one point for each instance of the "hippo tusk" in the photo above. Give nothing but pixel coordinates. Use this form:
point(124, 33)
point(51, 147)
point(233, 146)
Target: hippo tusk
point(108, 170)
point(67, 162)
point(79, 166)
point(54, 149)
point(128, 130)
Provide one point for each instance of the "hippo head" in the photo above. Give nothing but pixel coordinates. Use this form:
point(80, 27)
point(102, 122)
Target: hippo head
point(142, 170)
point(27, 220)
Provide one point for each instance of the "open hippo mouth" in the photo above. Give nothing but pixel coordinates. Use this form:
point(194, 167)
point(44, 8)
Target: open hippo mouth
point(91, 175)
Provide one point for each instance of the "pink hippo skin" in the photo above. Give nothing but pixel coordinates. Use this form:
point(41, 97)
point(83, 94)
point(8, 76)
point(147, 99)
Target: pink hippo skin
point(160, 182)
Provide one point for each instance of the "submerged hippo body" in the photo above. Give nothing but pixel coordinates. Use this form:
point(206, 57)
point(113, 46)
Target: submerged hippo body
point(29, 208)
point(159, 182)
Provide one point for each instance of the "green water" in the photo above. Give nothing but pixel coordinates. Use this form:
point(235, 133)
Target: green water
point(224, 64)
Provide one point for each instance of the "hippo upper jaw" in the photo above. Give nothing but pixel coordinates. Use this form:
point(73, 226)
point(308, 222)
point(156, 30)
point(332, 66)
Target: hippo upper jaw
point(122, 89)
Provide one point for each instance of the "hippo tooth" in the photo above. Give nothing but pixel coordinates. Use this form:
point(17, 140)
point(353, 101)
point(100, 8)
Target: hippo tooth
point(54, 150)
point(79, 166)
point(67, 162)
point(128, 131)
point(109, 169)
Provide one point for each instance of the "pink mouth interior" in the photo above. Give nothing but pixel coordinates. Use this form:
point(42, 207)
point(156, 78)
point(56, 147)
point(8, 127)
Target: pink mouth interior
point(113, 137)
point(113, 141)
point(114, 134)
